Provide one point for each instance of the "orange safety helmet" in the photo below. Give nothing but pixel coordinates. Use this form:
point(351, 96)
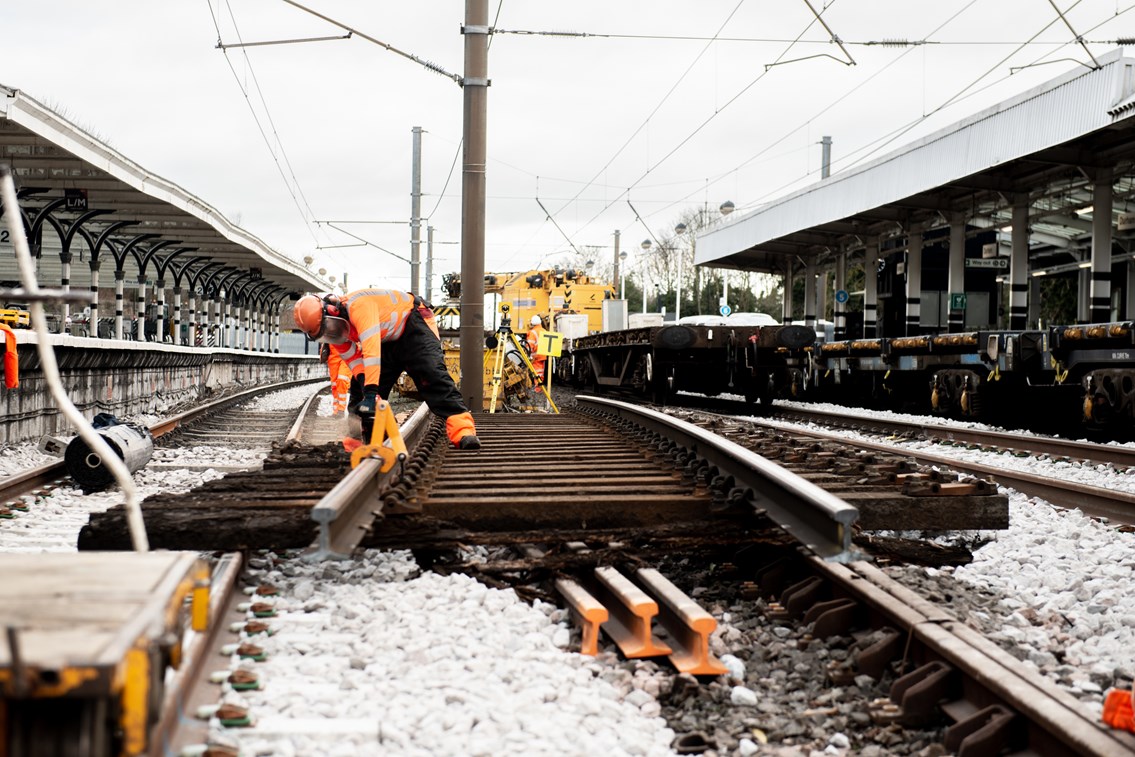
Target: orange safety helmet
point(322, 318)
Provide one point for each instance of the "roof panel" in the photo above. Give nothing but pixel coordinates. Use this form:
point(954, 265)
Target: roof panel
point(47, 151)
point(1056, 113)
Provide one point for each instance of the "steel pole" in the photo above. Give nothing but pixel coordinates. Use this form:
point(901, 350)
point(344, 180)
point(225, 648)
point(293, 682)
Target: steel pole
point(416, 211)
point(475, 83)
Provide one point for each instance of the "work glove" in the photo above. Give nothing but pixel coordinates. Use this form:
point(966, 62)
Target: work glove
point(369, 403)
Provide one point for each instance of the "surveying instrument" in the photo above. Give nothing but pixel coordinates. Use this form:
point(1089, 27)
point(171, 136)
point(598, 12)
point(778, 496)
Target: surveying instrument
point(499, 342)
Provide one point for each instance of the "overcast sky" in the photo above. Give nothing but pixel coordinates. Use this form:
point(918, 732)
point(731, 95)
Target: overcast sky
point(649, 113)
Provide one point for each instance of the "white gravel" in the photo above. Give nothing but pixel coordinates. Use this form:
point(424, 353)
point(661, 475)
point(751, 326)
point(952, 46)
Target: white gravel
point(372, 657)
point(1055, 587)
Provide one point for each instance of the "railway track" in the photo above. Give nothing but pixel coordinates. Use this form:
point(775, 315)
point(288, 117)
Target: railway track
point(1053, 447)
point(623, 489)
point(1115, 505)
point(212, 423)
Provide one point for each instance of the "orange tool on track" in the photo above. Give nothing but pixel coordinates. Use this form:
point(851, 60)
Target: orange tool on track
point(385, 440)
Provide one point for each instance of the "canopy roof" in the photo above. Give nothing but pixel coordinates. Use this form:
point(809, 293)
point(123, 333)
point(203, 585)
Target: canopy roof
point(51, 158)
point(1048, 143)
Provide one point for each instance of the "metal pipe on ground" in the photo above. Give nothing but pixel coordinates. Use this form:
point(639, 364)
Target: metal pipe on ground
point(134, 445)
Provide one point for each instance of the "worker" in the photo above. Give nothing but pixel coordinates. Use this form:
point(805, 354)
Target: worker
point(372, 327)
point(533, 340)
point(340, 375)
point(11, 358)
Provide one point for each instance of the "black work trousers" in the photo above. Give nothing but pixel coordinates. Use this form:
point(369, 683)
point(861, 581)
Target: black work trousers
point(418, 352)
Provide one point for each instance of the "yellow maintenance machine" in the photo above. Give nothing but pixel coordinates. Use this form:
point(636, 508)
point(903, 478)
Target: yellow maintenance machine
point(16, 316)
point(551, 293)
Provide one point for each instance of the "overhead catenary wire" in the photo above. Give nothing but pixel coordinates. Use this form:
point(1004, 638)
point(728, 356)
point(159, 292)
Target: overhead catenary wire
point(697, 129)
point(293, 187)
point(553, 220)
point(656, 108)
point(428, 65)
point(881, 141)
point(364, 242)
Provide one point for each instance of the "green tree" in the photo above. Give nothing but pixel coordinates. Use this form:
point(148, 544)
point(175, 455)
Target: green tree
point(1058, 298)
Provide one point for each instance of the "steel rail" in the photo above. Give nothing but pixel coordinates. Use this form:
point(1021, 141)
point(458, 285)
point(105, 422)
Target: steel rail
point(1056, 721)
point(346, 512)
point(193, 673)
point(820, 521)
point(1095, 501)
point(1053, 447)
point(55, 472)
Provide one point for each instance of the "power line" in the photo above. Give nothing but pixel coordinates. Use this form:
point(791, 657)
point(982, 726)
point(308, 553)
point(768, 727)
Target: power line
point(700, 126)
point(665, 97)
point(260, 126)
point(409, 56)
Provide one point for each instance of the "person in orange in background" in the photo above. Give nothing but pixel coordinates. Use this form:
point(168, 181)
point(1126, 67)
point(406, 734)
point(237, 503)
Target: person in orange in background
point(11, 358)
point(340, 377)
point(533, 340)
point(375, 328)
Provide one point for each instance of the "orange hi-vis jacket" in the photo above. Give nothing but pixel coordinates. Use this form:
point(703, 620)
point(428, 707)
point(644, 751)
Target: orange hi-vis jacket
point(340, 379)
point(11, 358)
point(376, 316)
point(533, 339)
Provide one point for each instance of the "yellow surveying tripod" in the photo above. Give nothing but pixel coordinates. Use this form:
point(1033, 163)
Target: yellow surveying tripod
point(499, 343)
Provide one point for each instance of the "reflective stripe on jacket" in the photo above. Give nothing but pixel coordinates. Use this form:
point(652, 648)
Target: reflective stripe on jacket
point(376, 316)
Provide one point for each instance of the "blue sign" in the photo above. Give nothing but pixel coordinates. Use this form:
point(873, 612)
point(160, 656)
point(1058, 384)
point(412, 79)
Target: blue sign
point(725, 310)
point(842, 296)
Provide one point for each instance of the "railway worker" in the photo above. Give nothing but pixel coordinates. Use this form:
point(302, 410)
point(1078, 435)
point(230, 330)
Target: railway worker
point(340, 375)
point(11, 358)
point(371, 326)
point(533, 341)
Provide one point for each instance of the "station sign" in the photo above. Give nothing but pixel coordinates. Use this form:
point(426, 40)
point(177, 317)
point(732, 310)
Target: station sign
point(998, 263)
point(75, 199)
point(842, 296)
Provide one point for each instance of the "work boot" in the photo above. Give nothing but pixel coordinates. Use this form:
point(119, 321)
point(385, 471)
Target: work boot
point(469, 442)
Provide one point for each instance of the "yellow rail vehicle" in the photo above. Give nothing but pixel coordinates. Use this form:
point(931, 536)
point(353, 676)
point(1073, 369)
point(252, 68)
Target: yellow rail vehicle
point(546, 293)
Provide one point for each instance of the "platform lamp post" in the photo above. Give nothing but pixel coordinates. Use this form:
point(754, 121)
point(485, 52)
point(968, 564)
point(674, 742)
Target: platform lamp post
point(726, 208)
point(680, 230)
point(646, 245)
point(623, 279)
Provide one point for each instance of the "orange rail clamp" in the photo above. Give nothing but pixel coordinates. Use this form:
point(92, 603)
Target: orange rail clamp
point(385, 440)
point(687, 623)
point(631, 614)
point(586, 610)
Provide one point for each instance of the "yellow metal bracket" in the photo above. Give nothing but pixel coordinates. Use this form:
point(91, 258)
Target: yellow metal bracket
point(1061, 371)
point(385, 440)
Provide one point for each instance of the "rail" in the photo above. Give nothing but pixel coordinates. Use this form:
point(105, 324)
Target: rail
point(345, 513)
point(55, 472)
point(1031, 443)
point(820, 521)
point(945, 649)
point(1096, 501)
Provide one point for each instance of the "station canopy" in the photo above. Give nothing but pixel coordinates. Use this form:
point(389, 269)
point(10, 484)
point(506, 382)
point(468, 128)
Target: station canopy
point(52, 158)
point(1049, 143)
